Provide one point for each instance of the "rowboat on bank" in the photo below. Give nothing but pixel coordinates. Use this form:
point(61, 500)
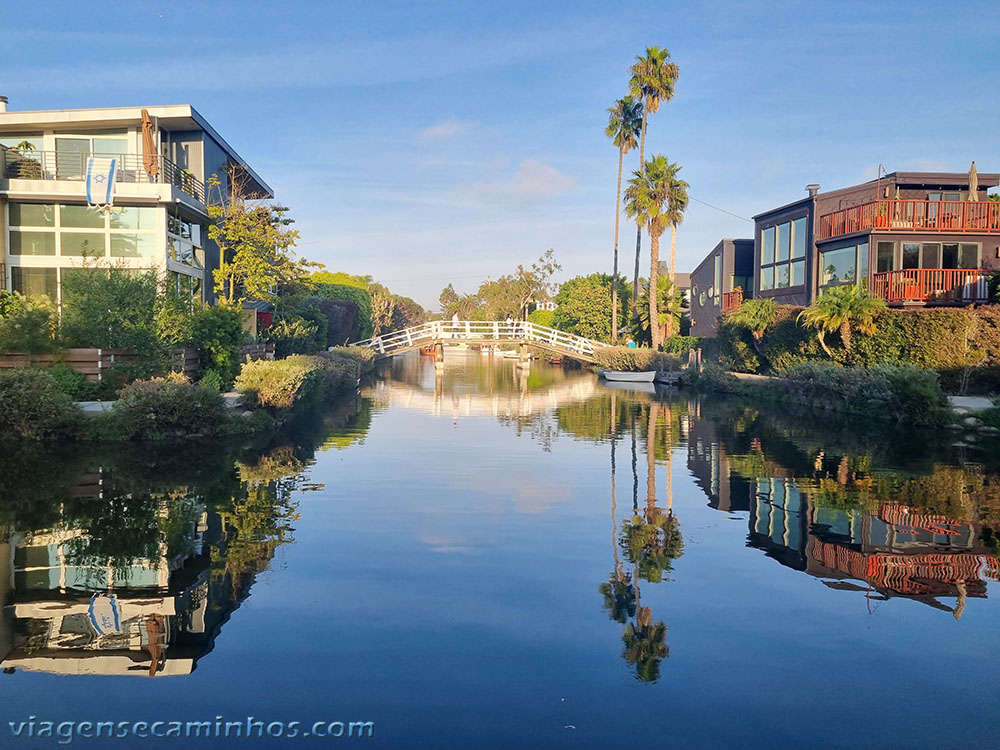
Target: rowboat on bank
point(622, 376)
point(428, 350)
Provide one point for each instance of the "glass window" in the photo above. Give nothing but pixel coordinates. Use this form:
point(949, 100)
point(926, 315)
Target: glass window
point(949, 255)
point(782, 238)
point(767, 246)
point(839, 266)
point(799, 238)
point(13, 141)
point(33, 280)
point(932, 255)
point(767, 278)
point(80, 244)
point(196, 293)
point(81, 216)
point(32, 215)
point(110, 146)
point(718, 274)
point(863, 266)
point(968, 256)
point(781, 273)
point(134, 217)
point(885, 257)
point(798, 273)
point(911, 255)
point(32, 243)
point(133, 245)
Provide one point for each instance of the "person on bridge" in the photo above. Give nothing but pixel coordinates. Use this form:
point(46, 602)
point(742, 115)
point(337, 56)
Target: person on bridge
point(454, 324)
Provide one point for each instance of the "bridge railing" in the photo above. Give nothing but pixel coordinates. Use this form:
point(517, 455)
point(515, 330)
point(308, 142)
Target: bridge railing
point(479, 330)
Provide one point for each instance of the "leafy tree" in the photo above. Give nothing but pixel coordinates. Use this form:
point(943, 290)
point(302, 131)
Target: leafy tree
point(584, 306)
point(756, 315)
point(512, 294)
point(647, 200)
point(677, 203)
point(218, 334)
point(448, 299)
point(343, 287)
point(652, 82)
point(255, 245)
point(383, 306)
point(625, 119)
point(842, 308)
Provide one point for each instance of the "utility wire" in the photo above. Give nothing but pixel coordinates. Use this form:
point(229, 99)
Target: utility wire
point(719, 209)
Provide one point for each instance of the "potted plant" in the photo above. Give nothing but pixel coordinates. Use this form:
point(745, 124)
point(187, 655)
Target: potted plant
point(28, 168)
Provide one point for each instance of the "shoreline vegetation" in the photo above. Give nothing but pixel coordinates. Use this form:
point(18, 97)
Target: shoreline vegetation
point(37, 408)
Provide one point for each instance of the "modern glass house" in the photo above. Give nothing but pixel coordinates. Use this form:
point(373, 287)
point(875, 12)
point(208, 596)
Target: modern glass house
point(159, 216)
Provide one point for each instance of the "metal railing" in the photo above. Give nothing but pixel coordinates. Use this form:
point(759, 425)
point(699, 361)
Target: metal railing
point(940, 285)
point(481, 331)
point(71, 165)
point(905, 215)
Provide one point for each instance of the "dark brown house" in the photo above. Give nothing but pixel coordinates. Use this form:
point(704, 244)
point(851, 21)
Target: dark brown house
point(720, 282)
point(911, 238)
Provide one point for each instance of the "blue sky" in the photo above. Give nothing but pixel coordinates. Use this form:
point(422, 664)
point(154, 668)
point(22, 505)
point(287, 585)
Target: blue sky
point(428, 143)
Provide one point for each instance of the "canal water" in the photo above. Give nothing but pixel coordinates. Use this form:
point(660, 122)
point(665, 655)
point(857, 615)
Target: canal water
point(479, 557)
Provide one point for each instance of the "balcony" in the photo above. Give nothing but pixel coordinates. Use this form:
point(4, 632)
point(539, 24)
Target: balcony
point(732, 300)
point(901, 215)
point(59, 165)
point(954, 286)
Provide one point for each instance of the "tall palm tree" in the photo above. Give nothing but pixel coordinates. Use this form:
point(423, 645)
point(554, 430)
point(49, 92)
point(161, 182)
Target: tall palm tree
point(647, 201)
point(652, 82)
point(842, 308)
point(624, 127)
point(677, 203)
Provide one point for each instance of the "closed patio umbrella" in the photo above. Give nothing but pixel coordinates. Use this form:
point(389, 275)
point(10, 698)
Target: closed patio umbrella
point(973, 182)
point(150, 159)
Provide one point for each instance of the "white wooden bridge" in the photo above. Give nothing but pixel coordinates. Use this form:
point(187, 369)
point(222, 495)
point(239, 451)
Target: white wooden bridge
point(442, 333)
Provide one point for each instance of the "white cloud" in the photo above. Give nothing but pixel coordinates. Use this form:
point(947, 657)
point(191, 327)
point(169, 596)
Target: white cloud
point(445, 131)
point(533, 179)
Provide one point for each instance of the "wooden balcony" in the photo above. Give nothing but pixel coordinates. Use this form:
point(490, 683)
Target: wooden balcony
point(942, 286)
point(732, 300)
point(889, 215)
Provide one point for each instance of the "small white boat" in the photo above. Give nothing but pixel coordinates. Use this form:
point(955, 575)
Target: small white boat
point(665, 377)
point(510, 354)
point(623, 376)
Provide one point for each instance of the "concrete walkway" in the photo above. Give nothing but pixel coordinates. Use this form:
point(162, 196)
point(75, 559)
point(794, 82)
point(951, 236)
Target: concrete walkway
point(94, 407)
point(969, 404)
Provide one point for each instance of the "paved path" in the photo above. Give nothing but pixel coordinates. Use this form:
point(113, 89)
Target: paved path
point(967, 404)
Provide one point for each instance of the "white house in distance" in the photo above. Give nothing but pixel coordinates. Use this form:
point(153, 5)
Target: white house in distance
point(159, 216)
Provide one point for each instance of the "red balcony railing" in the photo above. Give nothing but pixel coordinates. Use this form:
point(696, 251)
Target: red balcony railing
point(940, 285)
point(732, 300)
point(913, 216)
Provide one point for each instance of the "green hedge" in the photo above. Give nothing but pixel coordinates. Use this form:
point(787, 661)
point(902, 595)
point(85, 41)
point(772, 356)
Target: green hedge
point(167, 407)
point(360, 354)
point(636, 359)
point(285, 383)
point(957, 343)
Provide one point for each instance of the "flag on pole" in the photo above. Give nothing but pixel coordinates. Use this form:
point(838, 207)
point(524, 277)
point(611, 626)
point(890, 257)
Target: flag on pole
point(101, 180)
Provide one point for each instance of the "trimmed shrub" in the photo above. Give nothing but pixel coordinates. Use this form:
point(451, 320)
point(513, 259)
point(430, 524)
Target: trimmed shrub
point(34, 408)
point(284, 383)
point(217, 332)
point(630, 359)
point(167, 407)
point(681, 344)
point(542, 317)
point(360, 354)
point(211, 379)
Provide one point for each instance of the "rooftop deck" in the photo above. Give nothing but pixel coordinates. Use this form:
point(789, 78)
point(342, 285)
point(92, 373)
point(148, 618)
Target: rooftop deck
point(904, 215)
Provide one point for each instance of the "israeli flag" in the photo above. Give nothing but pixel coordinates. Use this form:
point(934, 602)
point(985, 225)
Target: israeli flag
point(104, 613)
point(101, 180)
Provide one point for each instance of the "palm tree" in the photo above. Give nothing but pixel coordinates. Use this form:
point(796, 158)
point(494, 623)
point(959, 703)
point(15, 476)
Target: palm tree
point(652, 82)
point(677, 204)
point(647, 201)
point(624, 126)
point(756, 315)
point(669, 305)
point(842, 308)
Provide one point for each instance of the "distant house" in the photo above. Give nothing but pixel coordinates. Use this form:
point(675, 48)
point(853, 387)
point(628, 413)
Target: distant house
point(159, 219)
point(720, 282)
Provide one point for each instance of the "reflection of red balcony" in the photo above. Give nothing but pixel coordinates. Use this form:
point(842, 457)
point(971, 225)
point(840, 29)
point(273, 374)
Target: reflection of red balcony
point(982, 217)
point(934, 285)
point(732, 300)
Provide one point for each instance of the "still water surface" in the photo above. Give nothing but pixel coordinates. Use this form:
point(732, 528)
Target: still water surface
point(477, 558)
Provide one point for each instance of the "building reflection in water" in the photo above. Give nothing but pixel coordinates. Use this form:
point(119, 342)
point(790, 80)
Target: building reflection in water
point(855, 528)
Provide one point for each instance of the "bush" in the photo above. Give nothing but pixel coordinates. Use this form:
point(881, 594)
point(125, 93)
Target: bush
point(167, 407)
point(360, 354)
point(630, 359)
point(34, 408)
point(342, 320)
point(110, 308)
point(681, 344)
point(542, 317)
point(346, 288)
point(211, 379)
point(284, 383)
point(217, 332)
point(28, 324)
